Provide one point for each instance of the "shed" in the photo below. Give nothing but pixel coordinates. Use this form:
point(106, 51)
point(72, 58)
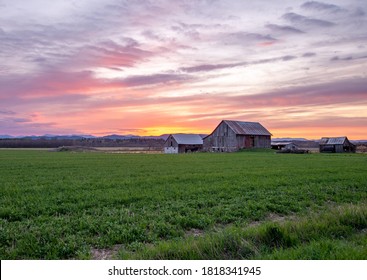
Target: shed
point(230, 136)
point(336, 145)
point(284, 146)
point(183, 143)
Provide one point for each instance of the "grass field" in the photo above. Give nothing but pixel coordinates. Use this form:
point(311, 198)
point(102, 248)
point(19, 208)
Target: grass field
point(245, 205)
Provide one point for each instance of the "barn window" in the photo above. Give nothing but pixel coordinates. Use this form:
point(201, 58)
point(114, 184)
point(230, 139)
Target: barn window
point(171, 143)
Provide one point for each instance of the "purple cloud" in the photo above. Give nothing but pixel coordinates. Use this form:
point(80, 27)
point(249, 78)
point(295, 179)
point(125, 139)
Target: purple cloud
point(306, 21)
point(317, 6)
point(284, 29)
point(213, 67)
point(309, 54)
point(336, 58)
point(246, 38)
point(358, 12)
point(144, 80)
point(210, 67)
point(7, 112)
point(288, 57)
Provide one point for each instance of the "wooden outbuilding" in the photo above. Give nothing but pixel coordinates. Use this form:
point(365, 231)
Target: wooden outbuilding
point(183, 143)
point(284, 146)
point(336, 145)
point(231, 136)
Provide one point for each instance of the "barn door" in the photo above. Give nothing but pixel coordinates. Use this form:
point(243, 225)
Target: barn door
point(249, 141)
point(252, 141)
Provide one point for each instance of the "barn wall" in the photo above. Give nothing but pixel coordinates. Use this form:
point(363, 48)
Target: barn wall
point(189, 148)
point(170, 150)
point(339, 148)
point(170, 146)
point(262, 141)
point(327, 149)
point(171, 142)
point(207, 143)
point(181, 149)
point(253, 141)
point(223, 139)
point(349, 147)
point(336, 148)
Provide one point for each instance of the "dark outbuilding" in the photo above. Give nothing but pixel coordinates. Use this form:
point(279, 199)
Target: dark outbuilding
point(336, 145)
point(284, 146)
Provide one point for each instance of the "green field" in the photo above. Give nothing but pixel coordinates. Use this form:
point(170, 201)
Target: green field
point(245, 205)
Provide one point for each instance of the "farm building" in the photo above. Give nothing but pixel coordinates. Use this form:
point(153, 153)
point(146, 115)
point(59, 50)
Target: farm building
point(336, 145)
point(284, 146)
point(183, 143)
point(230, 136)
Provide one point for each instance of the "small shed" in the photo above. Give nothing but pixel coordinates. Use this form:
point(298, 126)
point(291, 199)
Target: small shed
point(183, 143)
point(284, 146)
point(336, 145)
point(231, 136)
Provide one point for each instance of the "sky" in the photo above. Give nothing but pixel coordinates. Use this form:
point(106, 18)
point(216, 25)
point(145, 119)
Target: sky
point(169, 66)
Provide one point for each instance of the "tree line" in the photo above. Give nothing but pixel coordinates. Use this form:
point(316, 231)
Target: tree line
point(85, 142)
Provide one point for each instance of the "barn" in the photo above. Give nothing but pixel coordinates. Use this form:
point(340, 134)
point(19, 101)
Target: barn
point(336, 145)
point(230, 136)
point(183, 143)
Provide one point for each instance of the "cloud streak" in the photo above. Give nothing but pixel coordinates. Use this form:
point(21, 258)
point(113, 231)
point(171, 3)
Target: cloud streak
point(317, 6)
point(284, 29)
point(306, 21)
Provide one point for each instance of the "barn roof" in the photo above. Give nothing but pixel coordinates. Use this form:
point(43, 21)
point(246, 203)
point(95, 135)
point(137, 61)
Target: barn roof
point(188, 139)
point(247, 128)
point(333, 140)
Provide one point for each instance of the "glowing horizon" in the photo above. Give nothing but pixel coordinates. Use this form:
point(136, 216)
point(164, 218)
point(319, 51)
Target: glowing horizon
point(160, 67)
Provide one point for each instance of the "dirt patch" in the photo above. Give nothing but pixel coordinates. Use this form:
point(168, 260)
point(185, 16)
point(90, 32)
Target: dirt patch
point(272, 217)
point(194, 232)
point(74, 149)
point(105, 254)
point(276, 217)
point(253, 224)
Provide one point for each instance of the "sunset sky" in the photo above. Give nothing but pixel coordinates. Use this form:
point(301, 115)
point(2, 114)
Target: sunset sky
point(169, 66)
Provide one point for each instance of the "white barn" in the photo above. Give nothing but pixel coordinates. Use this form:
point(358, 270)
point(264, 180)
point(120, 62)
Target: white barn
point(183, 143)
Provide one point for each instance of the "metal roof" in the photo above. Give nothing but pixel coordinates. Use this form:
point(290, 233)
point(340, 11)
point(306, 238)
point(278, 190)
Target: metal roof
point(333, 140)
point(188, 139)
point(247, 128)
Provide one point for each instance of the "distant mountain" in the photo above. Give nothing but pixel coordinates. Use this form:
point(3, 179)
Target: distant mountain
point(119, 137)
point(358, 141)
point(79, 136)
point(66, 137)
point(131, 136)
point(48, 137)
point(288, 139)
